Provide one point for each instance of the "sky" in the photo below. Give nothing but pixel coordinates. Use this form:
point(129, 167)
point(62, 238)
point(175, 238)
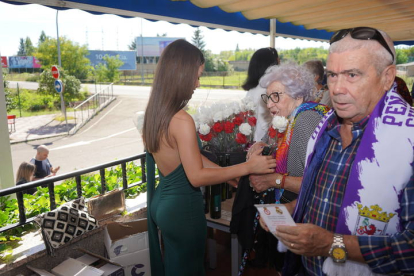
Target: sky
point(111, 32)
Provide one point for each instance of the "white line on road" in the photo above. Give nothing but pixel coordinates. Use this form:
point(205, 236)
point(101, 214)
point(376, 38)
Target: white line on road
point(82, 143)
point(101, 117)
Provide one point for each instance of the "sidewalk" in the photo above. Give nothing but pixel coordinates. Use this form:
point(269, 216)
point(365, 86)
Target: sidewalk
point(39, 127)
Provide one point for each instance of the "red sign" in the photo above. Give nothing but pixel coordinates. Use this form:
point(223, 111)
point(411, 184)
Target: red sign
point(4, 62)
point(55, 72)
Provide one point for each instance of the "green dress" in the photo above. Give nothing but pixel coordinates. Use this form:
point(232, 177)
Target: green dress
point(176, 208)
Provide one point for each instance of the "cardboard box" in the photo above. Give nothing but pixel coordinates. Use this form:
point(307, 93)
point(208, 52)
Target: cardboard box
point(126, 238)
point(137, 263)
point(86, 265)
point(127, 245)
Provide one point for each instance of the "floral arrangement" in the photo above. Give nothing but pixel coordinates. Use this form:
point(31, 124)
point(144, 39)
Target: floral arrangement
point(226, 127)
point(277, 128)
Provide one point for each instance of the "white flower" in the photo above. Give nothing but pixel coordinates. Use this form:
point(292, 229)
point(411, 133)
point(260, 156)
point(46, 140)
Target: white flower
point(245, 129)
point(218, 116)
point(139, 120)
point(251, 105)
point(234, 107)
point(227, 112)
point(204, 129)
point(280, 123)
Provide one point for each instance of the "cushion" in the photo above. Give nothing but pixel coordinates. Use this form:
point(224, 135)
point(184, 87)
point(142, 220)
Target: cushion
point(65, 223)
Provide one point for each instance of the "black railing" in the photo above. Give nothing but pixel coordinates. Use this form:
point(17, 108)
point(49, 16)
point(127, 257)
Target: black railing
point(50, 182)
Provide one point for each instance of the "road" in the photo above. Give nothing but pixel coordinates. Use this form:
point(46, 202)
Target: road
point(109, 136)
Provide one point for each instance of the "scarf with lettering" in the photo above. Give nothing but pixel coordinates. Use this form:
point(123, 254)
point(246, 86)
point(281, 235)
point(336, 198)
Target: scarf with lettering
point(381, 169)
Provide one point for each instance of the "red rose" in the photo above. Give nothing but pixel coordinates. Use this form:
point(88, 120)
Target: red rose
point(280, 135)
point(206, 137)
point(241, 138)
point(237, 121)
point(272, 132)
point(218, 127)
point(252, 121)
point(228, 127)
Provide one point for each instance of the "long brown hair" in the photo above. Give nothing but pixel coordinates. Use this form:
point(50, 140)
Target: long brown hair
point(173, 86)
point(25, 171)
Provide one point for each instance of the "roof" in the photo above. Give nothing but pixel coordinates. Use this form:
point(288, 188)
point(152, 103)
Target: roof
point(305, 19)
point(395, 17)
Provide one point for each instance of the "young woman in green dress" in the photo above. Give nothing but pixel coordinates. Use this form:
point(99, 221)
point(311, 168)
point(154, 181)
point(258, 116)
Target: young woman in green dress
point(175, 207)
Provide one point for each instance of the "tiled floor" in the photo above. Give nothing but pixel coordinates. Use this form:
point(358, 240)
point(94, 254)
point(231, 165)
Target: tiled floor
point(224, 260)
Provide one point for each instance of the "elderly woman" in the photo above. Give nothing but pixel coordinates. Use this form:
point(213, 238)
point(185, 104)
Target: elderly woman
point(289, 93)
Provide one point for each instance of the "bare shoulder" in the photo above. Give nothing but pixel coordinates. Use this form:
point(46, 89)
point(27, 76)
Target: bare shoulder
point(182, 117)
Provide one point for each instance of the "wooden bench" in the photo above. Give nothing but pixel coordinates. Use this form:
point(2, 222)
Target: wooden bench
point(11, 119)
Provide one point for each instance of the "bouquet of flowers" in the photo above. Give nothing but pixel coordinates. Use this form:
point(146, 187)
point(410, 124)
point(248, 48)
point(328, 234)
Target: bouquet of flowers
point(226, 127)
point(277, 128)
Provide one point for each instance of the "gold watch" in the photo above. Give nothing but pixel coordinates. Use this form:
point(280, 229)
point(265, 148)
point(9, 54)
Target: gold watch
point(338, 251)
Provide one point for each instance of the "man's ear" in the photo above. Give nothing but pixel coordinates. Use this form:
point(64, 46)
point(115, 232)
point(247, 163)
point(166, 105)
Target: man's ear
point(389, 76)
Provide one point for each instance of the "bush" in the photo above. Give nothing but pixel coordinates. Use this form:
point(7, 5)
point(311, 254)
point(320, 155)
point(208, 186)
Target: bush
point(33, 101)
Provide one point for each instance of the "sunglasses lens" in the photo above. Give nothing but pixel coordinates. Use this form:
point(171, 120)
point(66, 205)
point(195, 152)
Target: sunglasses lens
point(364, 33)
point(339, 35)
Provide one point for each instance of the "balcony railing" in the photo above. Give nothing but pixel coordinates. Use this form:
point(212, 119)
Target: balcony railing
point(50, 182)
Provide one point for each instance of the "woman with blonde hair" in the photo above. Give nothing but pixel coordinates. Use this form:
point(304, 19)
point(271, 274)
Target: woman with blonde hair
point(25, 174)
point(176, 207)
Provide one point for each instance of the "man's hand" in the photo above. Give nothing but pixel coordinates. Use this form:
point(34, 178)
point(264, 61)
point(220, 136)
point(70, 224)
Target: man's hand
point(305, 239)
point(262, 182)
point(54, 170)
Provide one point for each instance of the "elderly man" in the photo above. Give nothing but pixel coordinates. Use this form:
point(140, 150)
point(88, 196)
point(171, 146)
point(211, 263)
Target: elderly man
point(43, 167)
point(355, 211)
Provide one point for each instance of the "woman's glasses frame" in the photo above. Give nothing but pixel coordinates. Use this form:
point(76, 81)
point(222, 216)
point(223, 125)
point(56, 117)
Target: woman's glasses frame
point(274, 97)
point(362, 33)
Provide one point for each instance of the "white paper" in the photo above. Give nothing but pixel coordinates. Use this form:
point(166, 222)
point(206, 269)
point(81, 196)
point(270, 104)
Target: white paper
point(274, 215)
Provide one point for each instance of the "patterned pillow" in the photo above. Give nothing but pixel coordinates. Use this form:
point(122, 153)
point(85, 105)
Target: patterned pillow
point(65, 223)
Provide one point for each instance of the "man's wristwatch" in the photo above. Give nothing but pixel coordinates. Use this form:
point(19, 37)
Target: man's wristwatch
point(338, 251)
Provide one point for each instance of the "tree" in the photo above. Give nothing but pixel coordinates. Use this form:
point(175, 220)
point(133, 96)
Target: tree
point(109, 71)
point(237, 47)
point(73, 56)
point(42, 38)
point(21, 51)
point(401, 57)
point(198, 40)
point(71, 86)
point(28, 47)
point(133, 45)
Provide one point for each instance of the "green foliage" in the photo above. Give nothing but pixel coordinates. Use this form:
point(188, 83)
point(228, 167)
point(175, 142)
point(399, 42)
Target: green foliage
point(109, 71)
point(28, 47)
point(303, 55)
point(10, 104)
point(73, 56)
point(42, 38)
point(21, 51)
point(39, 202)
point(198, 41)
point(33, 101)
point(71, 85)
point(133, 45)
point(402, 56)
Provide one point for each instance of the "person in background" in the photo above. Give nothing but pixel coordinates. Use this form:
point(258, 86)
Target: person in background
point(260, 61)
point(403, 90)
point(43, 166)
point(25, 174)
point(355, 210)
point(322, 92)
point(289, 93)
point(176, 206)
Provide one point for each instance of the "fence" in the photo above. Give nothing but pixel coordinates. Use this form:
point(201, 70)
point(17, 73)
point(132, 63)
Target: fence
point(18, 190)
point(92, 105)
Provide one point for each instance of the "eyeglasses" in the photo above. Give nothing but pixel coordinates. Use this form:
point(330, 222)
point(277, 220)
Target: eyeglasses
point(275, 97)
point(362, 33)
